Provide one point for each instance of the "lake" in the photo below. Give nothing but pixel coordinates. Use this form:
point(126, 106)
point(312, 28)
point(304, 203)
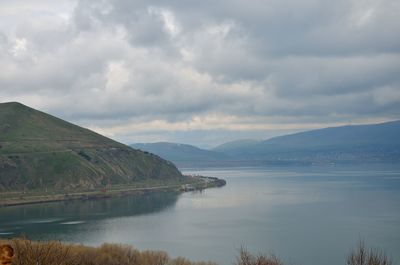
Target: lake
point(305, 215)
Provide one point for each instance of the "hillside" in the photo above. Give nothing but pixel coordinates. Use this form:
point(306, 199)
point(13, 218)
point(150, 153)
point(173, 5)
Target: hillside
point(181, 154)
point(40, 152)
point(233, 145)
point(374, 142)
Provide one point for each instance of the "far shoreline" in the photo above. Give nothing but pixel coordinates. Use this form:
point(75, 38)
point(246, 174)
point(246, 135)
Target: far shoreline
point(202, 182)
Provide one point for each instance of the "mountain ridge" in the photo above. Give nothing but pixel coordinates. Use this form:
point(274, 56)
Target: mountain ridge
point(181, 154)
point(351, 142)
point(343, 144)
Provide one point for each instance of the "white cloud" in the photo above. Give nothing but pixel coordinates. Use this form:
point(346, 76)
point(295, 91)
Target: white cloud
point(19, 47)
point(171, 25)
point(117, 76)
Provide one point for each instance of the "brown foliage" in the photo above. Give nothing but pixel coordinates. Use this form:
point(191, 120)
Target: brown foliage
point(55, 253)
point(184, 261)
point(27, 252)
point(245, 258)
point(363, 256)
point(6, 254)
point(31, 253)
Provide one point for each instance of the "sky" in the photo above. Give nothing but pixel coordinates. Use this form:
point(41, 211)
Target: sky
point(203, 72)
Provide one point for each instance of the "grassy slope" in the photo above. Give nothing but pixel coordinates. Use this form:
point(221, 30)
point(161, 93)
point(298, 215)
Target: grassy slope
point(39, 151)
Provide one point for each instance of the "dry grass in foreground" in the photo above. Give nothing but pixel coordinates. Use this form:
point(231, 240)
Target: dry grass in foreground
point(27, 252)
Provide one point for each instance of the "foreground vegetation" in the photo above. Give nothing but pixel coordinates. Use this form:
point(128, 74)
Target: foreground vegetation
point(364, 256)
point(360, 256)
point(27, 252)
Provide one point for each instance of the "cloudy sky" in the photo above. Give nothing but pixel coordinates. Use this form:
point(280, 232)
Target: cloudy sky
point(203, 72)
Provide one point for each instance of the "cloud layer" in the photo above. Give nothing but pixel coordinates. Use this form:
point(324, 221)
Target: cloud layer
point(176, 70)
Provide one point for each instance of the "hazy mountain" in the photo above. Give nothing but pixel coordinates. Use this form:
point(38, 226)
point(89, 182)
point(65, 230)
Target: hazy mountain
point(182, 154)
point(233, 145)
point(375, 142)
point(40, 151)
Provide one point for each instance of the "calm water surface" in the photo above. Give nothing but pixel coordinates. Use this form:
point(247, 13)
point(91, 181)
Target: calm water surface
point(306, 215)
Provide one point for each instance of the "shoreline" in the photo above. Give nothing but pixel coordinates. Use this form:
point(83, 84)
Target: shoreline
point(202, 183)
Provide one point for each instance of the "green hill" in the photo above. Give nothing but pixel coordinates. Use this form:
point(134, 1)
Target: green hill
point(39, 151)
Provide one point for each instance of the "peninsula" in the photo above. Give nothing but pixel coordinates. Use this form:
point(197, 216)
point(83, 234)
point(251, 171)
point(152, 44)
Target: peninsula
point(44, 158)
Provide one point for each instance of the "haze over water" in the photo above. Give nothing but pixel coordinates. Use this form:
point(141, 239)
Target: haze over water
point(306, 215)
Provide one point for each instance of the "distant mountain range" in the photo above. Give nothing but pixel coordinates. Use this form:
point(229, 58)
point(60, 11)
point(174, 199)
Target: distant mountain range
point(345, 144)
point(182, 154)
point(39, 151)
point(376, 142)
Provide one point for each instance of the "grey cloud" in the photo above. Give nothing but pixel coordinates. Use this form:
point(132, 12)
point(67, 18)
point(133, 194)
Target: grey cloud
point(302, 76)
point(123, 61)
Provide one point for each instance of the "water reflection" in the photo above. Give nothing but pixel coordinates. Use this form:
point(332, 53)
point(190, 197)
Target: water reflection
point(37, 221)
